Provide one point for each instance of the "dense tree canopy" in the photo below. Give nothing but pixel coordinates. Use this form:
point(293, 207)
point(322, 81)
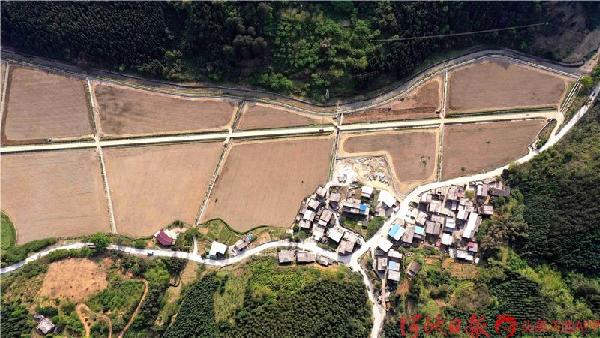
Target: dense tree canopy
point(561, 190)
point(291, 47)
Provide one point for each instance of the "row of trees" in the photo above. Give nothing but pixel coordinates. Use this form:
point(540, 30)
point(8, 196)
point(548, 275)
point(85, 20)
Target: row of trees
point(297, 47)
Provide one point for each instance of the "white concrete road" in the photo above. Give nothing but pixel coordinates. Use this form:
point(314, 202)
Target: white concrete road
point(297, 131)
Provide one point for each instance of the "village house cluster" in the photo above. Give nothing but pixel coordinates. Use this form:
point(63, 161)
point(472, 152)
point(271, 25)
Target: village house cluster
point(303, 257)
point(323, 213)
point(220, 250)
point(447, 218)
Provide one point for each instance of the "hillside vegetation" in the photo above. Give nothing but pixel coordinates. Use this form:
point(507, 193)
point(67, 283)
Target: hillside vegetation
point(261, 299)
point(560, 191)
point(289, 47)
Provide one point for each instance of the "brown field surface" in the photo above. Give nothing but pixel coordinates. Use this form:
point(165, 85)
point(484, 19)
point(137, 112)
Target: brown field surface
point(420, 103)
point(479, 147)
point(495, 85)
point(411, 153)
point(41, 105)
point(54, 194)
point(129, 111)
point(258, 116)
point(263, 182)
point(74, 279)
point(153, 186)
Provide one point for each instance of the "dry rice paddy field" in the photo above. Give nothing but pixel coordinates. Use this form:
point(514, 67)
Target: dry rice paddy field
point(129, 111)
point(501, 85)
point(420, 103)
point(263, 182)
point(411, 153)
point(152, 186)
point(41, 105)
point(479, 147)
point(262, 116)
point(54, 194)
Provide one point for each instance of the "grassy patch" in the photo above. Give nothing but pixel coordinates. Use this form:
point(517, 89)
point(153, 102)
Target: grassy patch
point(8, 235)
point(118, 301)
point(231, 298)
point(219, 231)
point(18, 253)
point(545, 134)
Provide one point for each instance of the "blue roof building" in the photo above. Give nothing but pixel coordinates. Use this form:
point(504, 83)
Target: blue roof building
point(394, 266)
point(396, 232)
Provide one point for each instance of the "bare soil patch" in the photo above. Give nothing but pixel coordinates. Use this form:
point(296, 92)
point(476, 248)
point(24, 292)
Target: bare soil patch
point(420, 103)
point(412, 153)
point(479, 147)
point(130, 111)
point(263, 182)
point(155, 185)
point(259, 116)
point(459, 269)
point(74, 279)
point(41, 105)
point(54, 194)
point(495, 85)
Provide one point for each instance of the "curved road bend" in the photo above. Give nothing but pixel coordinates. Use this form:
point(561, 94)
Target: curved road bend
point(352, 260)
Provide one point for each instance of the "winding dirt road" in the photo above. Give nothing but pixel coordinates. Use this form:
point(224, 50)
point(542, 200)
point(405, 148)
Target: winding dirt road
point(81, 308)
point(137, 309)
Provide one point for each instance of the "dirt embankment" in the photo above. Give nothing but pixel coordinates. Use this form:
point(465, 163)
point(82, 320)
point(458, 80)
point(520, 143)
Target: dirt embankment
point(262, 116)
point(421, 103)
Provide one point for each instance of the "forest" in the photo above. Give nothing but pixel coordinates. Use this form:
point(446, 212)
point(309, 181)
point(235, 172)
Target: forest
point(320, 50)
point(560, 190)
point(262, 299)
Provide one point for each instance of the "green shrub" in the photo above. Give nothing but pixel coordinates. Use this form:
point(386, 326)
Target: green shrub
point(18, 253)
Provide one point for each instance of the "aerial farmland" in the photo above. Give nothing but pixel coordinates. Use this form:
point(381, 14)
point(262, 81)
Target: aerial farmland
point(54, 194)
point(263, 116)
point(152, 186)
point(287, 169)
point(128, 111)
point(263, 181)
point(411, 153)
point(499, 85)
point(40, 105)
point(479, 147)
point(422, 102)
point(238, 160)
